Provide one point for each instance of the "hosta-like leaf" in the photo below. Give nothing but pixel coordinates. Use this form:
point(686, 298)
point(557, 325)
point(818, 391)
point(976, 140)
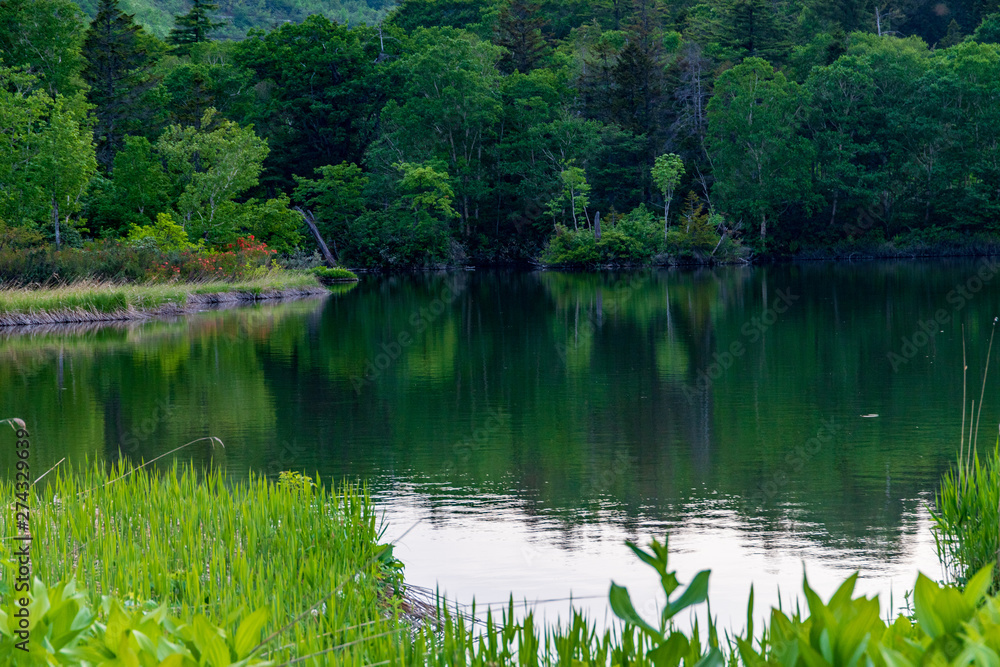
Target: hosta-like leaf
point(621, 605)
point(248, 633)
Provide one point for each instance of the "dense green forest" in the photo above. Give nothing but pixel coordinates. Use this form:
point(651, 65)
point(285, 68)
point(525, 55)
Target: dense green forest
point(456, 131)
point(157, 16)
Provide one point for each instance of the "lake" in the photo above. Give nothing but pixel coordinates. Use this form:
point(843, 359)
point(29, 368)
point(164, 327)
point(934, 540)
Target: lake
point(523, 425)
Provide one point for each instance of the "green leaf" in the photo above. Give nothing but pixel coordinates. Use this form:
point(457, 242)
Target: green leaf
point(952, 610)
point(670, 652)
point(925, 594)
point(844, 592)
point(695, 593)
point(621, 605)
point(646, 557)
point(978, 586)
point(248, 633)
point(713, 658)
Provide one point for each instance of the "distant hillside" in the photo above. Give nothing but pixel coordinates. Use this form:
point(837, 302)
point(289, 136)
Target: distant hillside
point(158, 15)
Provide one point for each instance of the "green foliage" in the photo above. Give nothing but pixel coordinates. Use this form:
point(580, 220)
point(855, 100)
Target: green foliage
point(667, 173)
point(336, 198)
point(163, 235)
point(73, 635)
point(382, 239)
point(762, 163)
point(209, 168)
point(410, 15)
point(46, 153)
point(329, 274)
point(695, 232)
point(581, 248)
point(426, 192)
point(966, 516)
point(319, 89)
point(44, 37)
point(810, 129)
point(271, 222)
point(642, 225)
point(117, 71)
point(988, 31)
point(574, 195)
point(194, 27)
point(669, 646)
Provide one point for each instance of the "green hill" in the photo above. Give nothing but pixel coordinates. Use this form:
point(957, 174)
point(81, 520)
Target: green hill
point(158, 15)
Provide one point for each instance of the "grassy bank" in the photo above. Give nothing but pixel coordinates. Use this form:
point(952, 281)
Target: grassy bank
point(185, 568)
point(88, 300)
point(188, 550)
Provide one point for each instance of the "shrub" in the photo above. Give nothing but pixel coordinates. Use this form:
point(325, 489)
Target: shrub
point(336, 274)
point(580, 248)
point(695, 230)
point(164, 235)
point(645, 227)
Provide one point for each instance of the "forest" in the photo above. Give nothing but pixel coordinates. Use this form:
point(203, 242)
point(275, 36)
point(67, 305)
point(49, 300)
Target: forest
point(450, 132)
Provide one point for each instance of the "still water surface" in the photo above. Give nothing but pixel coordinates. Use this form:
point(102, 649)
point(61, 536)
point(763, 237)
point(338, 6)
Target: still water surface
point(529, 423)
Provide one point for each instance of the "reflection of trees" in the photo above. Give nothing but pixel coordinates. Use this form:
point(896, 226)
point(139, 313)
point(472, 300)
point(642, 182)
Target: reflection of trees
point(592, 376)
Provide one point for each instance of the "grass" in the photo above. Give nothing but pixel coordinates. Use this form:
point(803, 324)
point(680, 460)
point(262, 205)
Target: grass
point(336, 274)
point(966, 517)
point(94, 300)
point(204, 546)
point(187, 568)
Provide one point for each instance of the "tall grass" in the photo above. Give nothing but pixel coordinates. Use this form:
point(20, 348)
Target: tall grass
point(83, 300)
point(201, 544)
point(188, 569)
point(966, 516)
point(966, 510)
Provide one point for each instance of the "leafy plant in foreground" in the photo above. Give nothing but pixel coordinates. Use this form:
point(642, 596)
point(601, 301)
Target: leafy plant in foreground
point(670, 646)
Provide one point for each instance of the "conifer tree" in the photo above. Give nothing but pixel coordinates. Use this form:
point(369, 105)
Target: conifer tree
point(117, 71)
point(194, 27)
point(519, 30)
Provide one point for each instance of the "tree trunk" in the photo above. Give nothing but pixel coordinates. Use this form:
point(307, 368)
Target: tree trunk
point(597, 225)
point(311, 223)
point(763, 227)
point(572, 208)
point(666, 215)
point(55, 220)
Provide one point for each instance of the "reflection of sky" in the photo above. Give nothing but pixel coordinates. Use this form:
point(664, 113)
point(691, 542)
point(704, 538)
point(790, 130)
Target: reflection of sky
point(487, 550)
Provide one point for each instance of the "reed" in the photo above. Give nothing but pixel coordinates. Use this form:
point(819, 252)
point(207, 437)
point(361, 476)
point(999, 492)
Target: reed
point(966, 511)
point(186, 568)
point(204, 545)
point(94, 301)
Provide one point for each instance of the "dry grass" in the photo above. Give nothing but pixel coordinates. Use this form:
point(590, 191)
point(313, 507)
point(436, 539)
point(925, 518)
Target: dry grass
point(94, 301)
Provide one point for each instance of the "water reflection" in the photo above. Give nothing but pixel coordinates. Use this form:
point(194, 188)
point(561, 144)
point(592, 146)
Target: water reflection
point(533, 421)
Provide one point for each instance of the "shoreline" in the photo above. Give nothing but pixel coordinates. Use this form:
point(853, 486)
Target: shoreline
point(182, 303)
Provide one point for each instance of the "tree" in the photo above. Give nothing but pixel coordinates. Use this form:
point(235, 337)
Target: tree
point(761, 163)
point(139, 190)
point(519, 30)
point(575, 192)
point(22, 111)
point(738, 29)
point(194, 27)
point(117, 70)
point(449, 114)
point(209, 168)
point(667, 172)
point(46, 153)
point(427, 192)
point(319, 91)
point(65, 162)
point(336, 198)
point(45, 37)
